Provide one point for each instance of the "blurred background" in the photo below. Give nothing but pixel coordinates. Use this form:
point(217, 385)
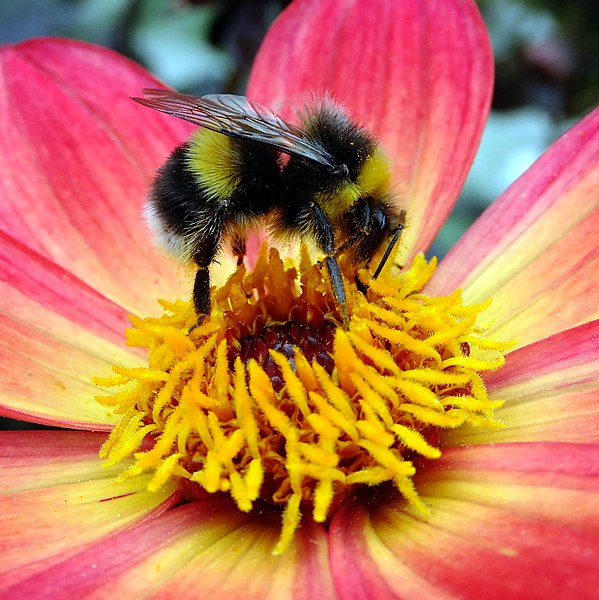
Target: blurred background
point(547, 66)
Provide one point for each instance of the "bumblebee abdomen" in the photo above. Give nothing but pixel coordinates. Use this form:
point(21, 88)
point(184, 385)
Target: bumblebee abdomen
point(172, 207)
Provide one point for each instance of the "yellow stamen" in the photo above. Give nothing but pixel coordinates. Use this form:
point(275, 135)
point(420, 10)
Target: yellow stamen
point(270, 400)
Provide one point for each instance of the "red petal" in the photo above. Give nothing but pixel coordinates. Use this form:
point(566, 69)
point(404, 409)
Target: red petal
point(418, 74)
point(57, 502)
point(301, 572)
point(204, 550)
point(36, 460)
point(76, 158)
point(57, 333)
point(506, 521)
point(550, 390)
point(536, 250)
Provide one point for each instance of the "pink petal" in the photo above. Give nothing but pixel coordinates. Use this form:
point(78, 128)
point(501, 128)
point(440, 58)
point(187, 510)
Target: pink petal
point(40, 460)
point(550, 389)
point(418, 74)
point(76, 159)
point(535, 251)
point(57, 501)
point(205, 550)
point(506, 521)
point(301, 572)
point(57, 333)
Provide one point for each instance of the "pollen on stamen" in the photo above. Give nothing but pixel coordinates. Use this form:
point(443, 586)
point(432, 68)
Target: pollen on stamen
point(270, 400)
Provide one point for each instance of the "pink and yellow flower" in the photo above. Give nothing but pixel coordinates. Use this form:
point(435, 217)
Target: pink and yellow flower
point(511, 512)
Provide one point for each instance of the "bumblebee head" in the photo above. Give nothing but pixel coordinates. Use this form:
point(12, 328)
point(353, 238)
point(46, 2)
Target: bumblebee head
point(359, 168)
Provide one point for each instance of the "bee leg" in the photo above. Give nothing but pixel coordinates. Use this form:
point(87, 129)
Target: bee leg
point(361, 227)
point(203, 258)
point(201, 293)
point(238, 247)
point(325, 239)
point(396, 235)
point(338, 287)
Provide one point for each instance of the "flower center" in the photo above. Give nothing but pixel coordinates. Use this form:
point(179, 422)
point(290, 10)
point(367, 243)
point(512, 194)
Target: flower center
point(313, 343)
point(271, 400)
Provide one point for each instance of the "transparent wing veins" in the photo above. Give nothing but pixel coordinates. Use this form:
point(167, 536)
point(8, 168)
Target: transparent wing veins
point(238, 117)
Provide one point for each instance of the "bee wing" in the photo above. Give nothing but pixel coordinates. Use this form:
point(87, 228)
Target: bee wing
point(238, 117)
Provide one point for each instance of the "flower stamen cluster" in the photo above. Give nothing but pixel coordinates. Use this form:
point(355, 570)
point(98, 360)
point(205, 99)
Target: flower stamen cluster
point(272, 400)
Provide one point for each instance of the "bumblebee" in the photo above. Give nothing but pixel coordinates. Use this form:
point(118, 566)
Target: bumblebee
point(325, 181)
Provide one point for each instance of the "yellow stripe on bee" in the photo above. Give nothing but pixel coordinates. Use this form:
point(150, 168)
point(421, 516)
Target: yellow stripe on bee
point(374, 179)
point(375, 175)
point(336, 204)
point(214, 160)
